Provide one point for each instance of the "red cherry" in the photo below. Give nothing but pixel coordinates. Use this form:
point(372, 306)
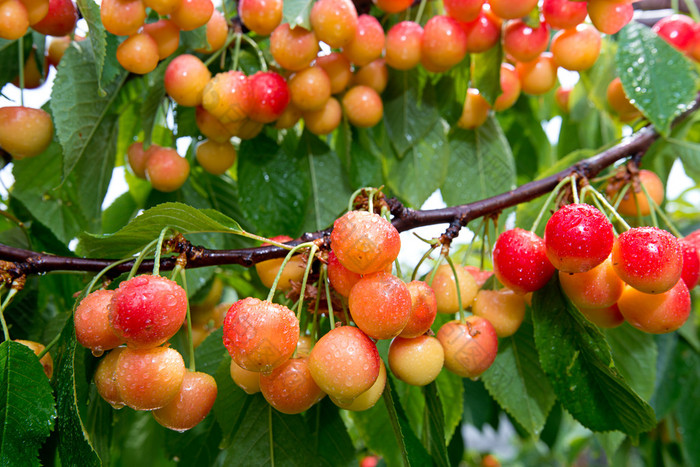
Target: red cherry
point(380, 305)
point(60, 20)
point(470, 348)
point(342, 279)
point(691, 264)
point(269, 95)
point(423, 309)
point(656, 313)
point(290, 388)
point(463, 10)
point(92, 328)
point(523, 42)
point(677, 30)
point(564, 14)
point(520, 261)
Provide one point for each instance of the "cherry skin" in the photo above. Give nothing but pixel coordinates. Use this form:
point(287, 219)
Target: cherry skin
point(520, 261)
point(166, 34)
point(504, 309)
point(374, 75)
point(599, 287)
point(334, 21)
point(294, 49)
point(46, 361)
point(57, 47)
point(137, 158)
point(510, 88)
point(211, 127)
point(215, 158)
point(122, 17)
point(289, 388)
point(403, 45)
point(677, 30)
point(185, 79)
point(191, 14)
point(564, 14)
point(364, 242)
point(15, 20)
point(423, 309)
point(562, 96)
point(344, 363)
point(292, 115)
point(392, 6)
point(338, 69)
point(475, 111)
point(191, 404)
point(609, 17)
point(148, 379)
point(608, 317)
point(247, 380)
point(649, 259)
point(227, 96)
point(480, 276)
point(578, 237)
point(656, 313)
point(341, 278)
point(363, 106)
point(416, 361)
point(324, 120)
point(138, 54)
point(261, 16)
point(380, 305)
point(33, 78)
point(463, 10)
point(25, 132)
point(369, 398)
point(444, 42)
point(525, 43)
point(310, 88)
point(635, 195)
point(446, 290)
point(36, 10)
point(260, 335)
point(368, 42)
point(576, 49)
point(106, 381)
point(691, 264)
point(512, 9)
point(217, 31)
point(146, 311)
point(293, 270)
point(91, 317)
point(245, 128)
point(166, 170)
point(620, 103)
point(60, 19)
point(484, 32)
point(269, 95)
point(470, 348)
point(538, 76)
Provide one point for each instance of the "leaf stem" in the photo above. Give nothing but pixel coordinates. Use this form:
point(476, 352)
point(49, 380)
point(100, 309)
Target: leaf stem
point(547, 202)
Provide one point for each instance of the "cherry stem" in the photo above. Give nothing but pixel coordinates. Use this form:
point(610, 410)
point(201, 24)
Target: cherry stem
point(237, 50)
point(655, 207)
point(284, 263)
point(102, 273)
point(370, 193)
point(386, 215)
point(309, 262)
point(462, 318)
point(610, 208)
point(331, 313)
point(574, 190)
point(546, 204)
point(254, 45)
point(176, 270)
point(20, 46)
point(190, 340)
point(693, 10)
point(49, 346)
point(213, 56)
point(140, 258)
point(8, 298)
point(423, 258)
point(662, 214)
point(159, 248)
point(252, 236)
point(620, 196)
point(421, 9)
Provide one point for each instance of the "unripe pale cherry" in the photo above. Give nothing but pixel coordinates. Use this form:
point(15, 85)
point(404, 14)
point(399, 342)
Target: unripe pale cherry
point(423, 309)
point(444, 42)
point(344, 363)
point(520, 261)
point(334, 21)
point(261, 16)
point(463, 10)
point(470, 348)
point(691, 264)
point(562, 96)
point(247, 380)
point(523, 42)
point(610, 16)
point(649, 259)
point(367, 399)
point(310, 88)
point(46, 361)
point(166, 34)
point(403, 45)
point(363, 106)
point(325, 119)
point(578, 237)
point(368, 42)
point(191, 14)
point(416, 361)
point(538, 76)
point(380, 305)
point(341, 278)
point(599, 287)
point(338, 68)
point(138, 54)
point(475, 110)
point(293, 270)
point(392, 6)
point(608, 317)
point(227, 96)
point(91, 317)
point(185, 79)
point(269, 95)
point(292, 115)
point(364, 242)
point(260, 335)
point(210, 126)
point(511, 9)
point(484, 32)
point(36, 10)
point(446, 290)
point(564, 14)
point(289, 388)
point(504, 309)
point(217, 31)
point(215, 158)
point(374, 75)
point(191, 404)
point(636, 199)
point(510, 88)
point(294, 49)
point(620, 103)
point(162, 7)
point(165, 169)
point(25, 132)
point(576, 49)
point(656, 313)
point(106, 378)
point(480, 276)
point(15, 20)
point(148, 379)
point(122, 17)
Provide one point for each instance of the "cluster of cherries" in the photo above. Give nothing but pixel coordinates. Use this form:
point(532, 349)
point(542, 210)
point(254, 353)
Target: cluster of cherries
point(144, 313)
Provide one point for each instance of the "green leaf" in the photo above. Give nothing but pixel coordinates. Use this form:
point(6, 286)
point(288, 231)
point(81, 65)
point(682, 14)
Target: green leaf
point(152, 103)
point(195, 38)
point(413, 451)
point(453, 86)
point(80, 114)
point(410, 111)
point(364, 162)
point(435, 425)
point(517, 381)
point(9, 63)
point(211, 352)
point(451, 390)
point(660, 81)
point(689, 154)
point(481, 164)
point(273, 187)
point(487, 73)
point(147, 226)
point(577, 359)
point(231, 403)
point(634, 353)
point(688, 411)
point(296, 13)
point(104, 45)
point(27, 410)
point(331, 440)
point(424, 166)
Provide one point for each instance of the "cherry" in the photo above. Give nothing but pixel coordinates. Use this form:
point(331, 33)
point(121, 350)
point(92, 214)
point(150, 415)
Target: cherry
point(269, 95)
point(191, 404)
point(620, 103)
point(423, 309)
point(635, 195)
point(245, 128)
point(122, 17)
point(691, 264)
point(46, 361)
point(292, 115)
point(36, 10)
point(324, 120)
point(338, 69)
point(610, 16)
point(416, 361)
point(393, 6)
point(562, 96)
point(475, 110)
point(510, 88)
point(247, 380)
point(227, 96)
point(138, 54)
point(137, 158)
point(578, 237)
point(217, 32)
point(106, 378)
point(185, 79)
point(293, 270)
point(511, 9)
point(294, 49)
point(380, 305)
point(289, 388)
point(211, 127)
point(310, 88)
point(463, 10)
point(470, 348)
point(60, 19)
point(523, 42)
point(162, 7)
point(260, 335)
point(334, 21)
point(304, 346)
point(166, 34)
point(504, 309)
point(374, 75)
point(367, 43)
point(92, 328)
point(480, 276)
point(165, 169)
point(364, 242)
point(363, 106)
point(14, 19)
point(25, 132)
point(576, 49)
point(599, 287)
point(191, 14)
point(369, 398)
point(216, 158)
point(341, 278)
point(148, 379)
point(520, 261)
point(57, 47)
point(656, 313)
point(484, 32)
point(444, 42)
point(33, 78)
point(538, 76)
point(261, 16)
point(608, 317)
point(564, 14)
point(344, 363)
point(446, 291)
point(649, 259)
point(403, 45)
point(694, 47)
